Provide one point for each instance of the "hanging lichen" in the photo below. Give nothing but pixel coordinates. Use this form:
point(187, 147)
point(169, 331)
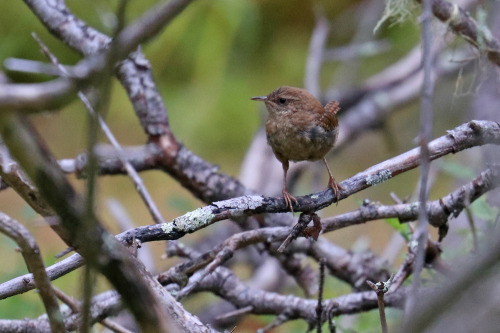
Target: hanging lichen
point(397, 11)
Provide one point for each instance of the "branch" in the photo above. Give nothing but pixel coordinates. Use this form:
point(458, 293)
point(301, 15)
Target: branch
point(34, 261)
point(37, 96)
point(134, 73)
point(75, 307)
point(474, 133)
point(134, 176)
point(103, 305)
point(315, 55)
point(96, 245)
point(438, 211)
point(351, 267)
point(345, 265)
point(225, 284)
point(465, 26)
point(463, 137)
point(425, 135)
point(148, 26)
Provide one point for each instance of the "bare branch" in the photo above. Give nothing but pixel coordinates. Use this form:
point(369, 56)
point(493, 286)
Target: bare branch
point(425, 134)
point(319, 307)
point(75, 306)
point(224, 283)
point(315, 57)
point(34, 261)
point(439, 212)
point(474, 133)
point(148, 26)
point(116, 263)
point(37, 96)
point(132, 173)
point(134, 72)
point(380, 288)
point(25, 282)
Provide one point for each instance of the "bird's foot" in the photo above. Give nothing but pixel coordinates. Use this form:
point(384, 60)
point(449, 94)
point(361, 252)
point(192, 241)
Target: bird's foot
point(288, 199)
point(332, 183)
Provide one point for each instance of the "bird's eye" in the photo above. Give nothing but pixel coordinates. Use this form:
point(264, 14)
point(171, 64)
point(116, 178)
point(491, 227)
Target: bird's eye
point(282, 101)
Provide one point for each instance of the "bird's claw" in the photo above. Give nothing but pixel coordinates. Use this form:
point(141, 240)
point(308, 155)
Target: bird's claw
point(336, 189)
point(288, 199)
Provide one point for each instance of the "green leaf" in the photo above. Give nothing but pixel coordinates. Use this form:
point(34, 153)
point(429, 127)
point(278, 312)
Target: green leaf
point(457, 170)
point(482, 209)
point(402, 228)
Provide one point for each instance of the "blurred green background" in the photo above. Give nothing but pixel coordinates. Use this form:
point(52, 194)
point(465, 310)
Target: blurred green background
point(207, 64)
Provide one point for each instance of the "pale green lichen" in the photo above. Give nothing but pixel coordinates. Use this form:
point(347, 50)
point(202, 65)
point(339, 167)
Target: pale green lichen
point(413, 245)
point(254, 201)
point(454, 16)
point(397, 11)
point(189, 222)
point(238, 206)
point(167, 227)
point(192, 221)
point(484, 35)
point(378, 178)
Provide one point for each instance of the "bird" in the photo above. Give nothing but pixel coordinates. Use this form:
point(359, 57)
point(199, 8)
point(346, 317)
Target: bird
point(300, 128)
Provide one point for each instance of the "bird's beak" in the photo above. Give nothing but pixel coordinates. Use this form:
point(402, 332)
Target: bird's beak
point(259, 98)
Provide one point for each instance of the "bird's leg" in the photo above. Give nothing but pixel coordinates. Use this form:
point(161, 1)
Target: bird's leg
point(332, 183)
point(287, 196)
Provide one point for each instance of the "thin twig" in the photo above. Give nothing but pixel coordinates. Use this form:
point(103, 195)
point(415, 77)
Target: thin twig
point(319, 307)
point(235, 313)
point(88, 286)
point(75, 307)
point(426, 120)
point(472, 225)
point(380, 289)
point(297, 229)
point(280, 319)
point(316, 50)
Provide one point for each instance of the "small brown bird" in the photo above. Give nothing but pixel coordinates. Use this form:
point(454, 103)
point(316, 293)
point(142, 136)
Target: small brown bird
point(299, 128)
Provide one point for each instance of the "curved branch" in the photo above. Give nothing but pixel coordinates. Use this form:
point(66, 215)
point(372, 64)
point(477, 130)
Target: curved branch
point(34, 261)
